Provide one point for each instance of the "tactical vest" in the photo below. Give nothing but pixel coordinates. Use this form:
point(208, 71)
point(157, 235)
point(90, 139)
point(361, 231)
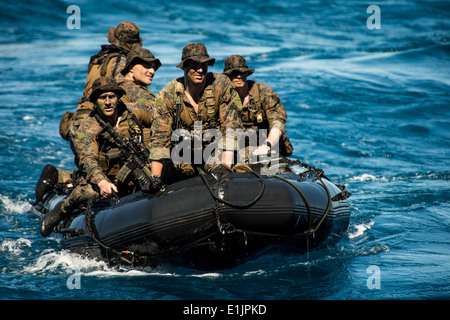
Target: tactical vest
point(108, 153)
point(209, 112)
point(254, 115)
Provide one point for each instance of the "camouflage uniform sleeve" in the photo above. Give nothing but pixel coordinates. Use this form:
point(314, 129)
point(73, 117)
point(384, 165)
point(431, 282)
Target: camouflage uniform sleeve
point(125, 99)
point(140, 95)
point(163, 114)
point(145, 95)
point(133, 106)
point(131, 89)
point(144, 117)
point(86, 145)
point(275, 112)
point(230, 108)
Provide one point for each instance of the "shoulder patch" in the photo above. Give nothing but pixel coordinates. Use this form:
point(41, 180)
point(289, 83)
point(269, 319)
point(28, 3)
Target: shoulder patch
point(84, 137)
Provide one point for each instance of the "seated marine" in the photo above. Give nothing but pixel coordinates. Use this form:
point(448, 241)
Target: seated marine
point(99, 151)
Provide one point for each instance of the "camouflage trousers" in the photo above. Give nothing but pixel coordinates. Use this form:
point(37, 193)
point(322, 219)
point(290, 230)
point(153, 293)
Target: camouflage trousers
point(65, 177)
point(84, 191)
point(79, 196)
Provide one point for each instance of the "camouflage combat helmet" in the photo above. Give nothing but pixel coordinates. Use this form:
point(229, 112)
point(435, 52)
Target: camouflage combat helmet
point(105, 84)
point(236, 63)
point(125, 35)
point(140, 56)
point(195, 51)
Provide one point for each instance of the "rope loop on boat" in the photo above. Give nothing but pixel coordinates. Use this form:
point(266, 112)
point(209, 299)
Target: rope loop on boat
point(311, 230)
point(229, 228)
point(319, 174)
point(229, 203)
point(308, 208)
point(328, 204)
point(226, 227)
point(89, 222)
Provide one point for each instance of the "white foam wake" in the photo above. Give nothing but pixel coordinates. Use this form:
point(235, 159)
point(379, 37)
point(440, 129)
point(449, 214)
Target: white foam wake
point(15, 247)
point(360, 229)
point(367, 177)
point(64, 261)
point(14, 206)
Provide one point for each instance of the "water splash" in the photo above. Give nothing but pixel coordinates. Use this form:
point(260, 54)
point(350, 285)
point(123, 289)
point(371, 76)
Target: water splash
point(15, 247)
point(360, 229)
point(14, 206)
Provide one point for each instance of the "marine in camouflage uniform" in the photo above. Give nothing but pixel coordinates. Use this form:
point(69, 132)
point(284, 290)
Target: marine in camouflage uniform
point(127, 37)
point(198, 96)
point(138, 73)
point(98, 152)
point(262, 107)
point(123, 39)
point(108, 62)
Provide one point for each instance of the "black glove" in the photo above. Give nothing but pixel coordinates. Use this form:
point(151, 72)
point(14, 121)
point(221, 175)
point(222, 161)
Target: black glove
point(155, 183)
point(221, 169)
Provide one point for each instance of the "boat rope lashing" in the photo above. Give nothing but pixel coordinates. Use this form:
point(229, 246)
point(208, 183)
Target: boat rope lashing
point(127, 256)
point(316, 171)
point(312, 230)
point(226, 227)
point(89, 223)
point(318, 175)
point(308, 208)
point(229, 203)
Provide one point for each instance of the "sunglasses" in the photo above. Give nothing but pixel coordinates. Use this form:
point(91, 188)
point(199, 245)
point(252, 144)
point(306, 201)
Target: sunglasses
point(236, 73)
point(195, 65)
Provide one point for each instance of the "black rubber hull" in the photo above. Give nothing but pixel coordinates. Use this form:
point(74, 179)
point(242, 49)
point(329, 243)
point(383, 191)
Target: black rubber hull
point(186, 225)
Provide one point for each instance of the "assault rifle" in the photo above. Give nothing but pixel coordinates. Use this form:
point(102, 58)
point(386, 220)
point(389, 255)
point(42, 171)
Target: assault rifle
point(134, 156)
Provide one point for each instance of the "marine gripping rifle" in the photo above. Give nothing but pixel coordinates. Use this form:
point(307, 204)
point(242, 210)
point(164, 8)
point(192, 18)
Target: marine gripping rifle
point(135, 158)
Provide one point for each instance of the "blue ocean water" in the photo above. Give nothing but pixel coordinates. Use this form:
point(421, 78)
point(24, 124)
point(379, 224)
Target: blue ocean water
point(369, 106)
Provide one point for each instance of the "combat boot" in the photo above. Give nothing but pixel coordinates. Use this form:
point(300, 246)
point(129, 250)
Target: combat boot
point(52, 219)
point(46, 182)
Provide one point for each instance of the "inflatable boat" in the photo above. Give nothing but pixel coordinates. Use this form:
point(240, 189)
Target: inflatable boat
point(210, 221)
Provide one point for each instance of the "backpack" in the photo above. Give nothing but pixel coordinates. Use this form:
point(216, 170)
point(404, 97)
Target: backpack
point(64, 124)
point(98, 65)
